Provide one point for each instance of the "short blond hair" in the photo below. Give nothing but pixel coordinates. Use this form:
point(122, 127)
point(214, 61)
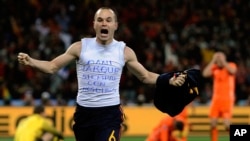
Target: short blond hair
point(108, 8)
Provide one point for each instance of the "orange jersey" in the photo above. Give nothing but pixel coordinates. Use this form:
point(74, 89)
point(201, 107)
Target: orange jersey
point(223, 84)
point(223, 93)
point(183, 115)
point(164, 130)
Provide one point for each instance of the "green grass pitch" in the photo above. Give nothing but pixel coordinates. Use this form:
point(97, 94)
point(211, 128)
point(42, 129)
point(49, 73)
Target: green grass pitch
point(192, 138)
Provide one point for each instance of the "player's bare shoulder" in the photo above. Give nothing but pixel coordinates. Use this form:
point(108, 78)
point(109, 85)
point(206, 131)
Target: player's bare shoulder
point(75, 49)
point(129, 54)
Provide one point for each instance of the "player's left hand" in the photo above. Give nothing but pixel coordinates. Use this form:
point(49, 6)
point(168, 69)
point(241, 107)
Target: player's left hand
point(178, 80)
point(176, 135)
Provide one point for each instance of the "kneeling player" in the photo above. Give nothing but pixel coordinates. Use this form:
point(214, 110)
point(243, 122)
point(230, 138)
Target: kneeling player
point(37, 127)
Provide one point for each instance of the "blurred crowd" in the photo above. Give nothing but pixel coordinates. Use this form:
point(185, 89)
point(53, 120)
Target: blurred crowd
point(167, 35)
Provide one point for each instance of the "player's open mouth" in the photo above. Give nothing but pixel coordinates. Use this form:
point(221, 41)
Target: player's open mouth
point(104, 31)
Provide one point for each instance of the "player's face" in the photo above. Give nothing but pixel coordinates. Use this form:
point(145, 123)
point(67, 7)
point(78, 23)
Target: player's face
point(220, 58)
point(105, 25)
point(219, 63)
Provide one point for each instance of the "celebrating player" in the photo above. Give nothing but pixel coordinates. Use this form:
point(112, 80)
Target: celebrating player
point(99, 62)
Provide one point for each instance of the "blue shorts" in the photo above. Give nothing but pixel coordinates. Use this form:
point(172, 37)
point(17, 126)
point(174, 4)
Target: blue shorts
point(98, 124)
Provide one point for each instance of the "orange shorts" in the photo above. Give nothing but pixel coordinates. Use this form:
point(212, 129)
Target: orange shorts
point(221, 109)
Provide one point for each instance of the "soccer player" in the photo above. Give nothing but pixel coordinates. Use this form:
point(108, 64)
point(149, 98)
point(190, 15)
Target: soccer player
point(170, 129)
point(223, 98)
point(99, 62)
point(183, 116)
point(37, 127)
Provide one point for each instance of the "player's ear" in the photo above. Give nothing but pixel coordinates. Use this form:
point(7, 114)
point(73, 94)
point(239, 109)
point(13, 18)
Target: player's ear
point(116, 25)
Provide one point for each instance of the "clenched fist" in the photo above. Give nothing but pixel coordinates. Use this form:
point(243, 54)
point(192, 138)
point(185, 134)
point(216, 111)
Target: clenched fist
point(23, 58)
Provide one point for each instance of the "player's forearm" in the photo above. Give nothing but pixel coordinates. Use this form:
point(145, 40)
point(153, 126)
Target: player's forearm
point(51, 129)
point(43, 66)
point(150, 78)
point(207, 70)
point(230, 69)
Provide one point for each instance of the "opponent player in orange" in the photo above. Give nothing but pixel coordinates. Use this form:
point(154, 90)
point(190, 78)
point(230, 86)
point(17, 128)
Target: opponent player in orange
point(223, 74)
point(171, 128)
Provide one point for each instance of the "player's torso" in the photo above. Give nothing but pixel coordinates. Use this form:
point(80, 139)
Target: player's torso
point(224, 85)
point(99, 70)
point(30, 128)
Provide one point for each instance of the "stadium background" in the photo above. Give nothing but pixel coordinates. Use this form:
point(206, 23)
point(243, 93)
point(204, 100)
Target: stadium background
point(166, 36)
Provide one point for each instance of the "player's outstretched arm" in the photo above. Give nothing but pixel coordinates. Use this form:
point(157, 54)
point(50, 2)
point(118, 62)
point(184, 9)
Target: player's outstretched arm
point(138, 69)
point(143, 74)
point(53, 65)
point(42, 65)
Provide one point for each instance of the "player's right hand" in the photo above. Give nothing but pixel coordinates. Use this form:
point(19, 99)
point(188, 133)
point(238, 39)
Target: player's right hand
point(23, 58)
